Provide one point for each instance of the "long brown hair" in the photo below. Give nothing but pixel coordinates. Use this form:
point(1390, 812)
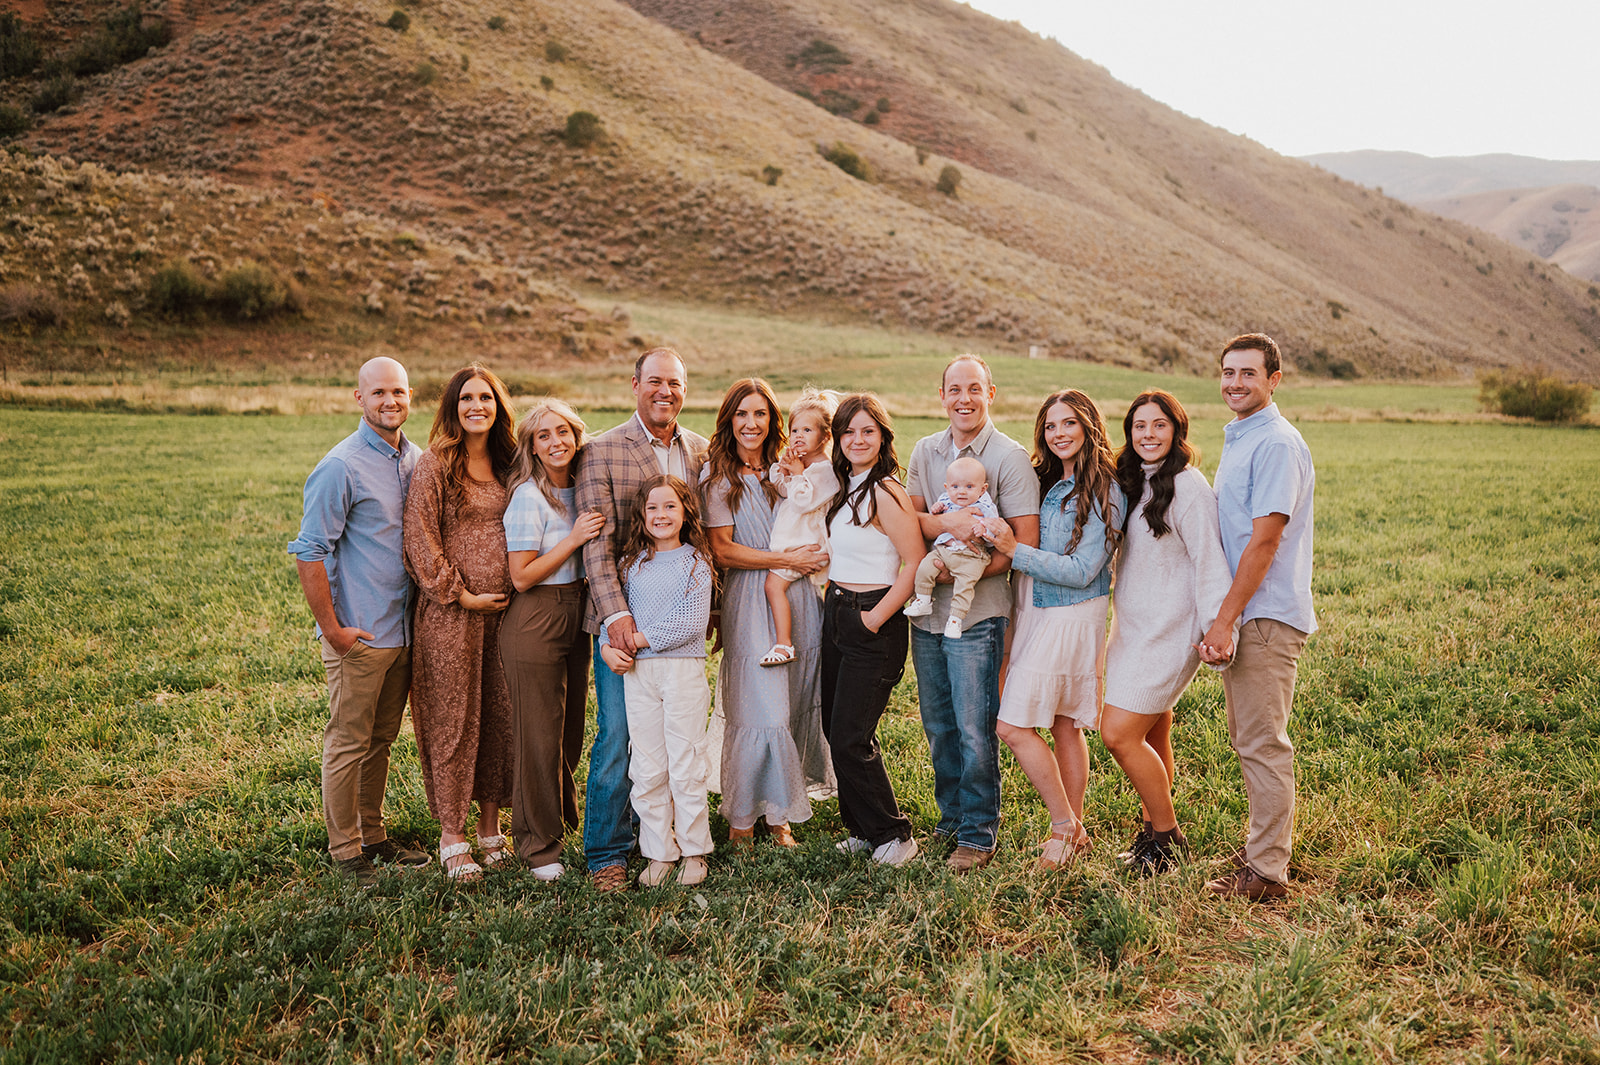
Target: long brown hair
point(636, 544)
point(723, 455)
point(887, 466)
point(1094, 471)
point(529, 467)
point(447, 439)
point(1130, 468)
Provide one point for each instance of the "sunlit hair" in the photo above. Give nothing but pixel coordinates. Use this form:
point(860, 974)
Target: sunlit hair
point(822, 402)
point(988, 375)
point(529, 467)
point(722, 458)
point(636, 544)
point(1130, 467)
point(446, 438)
point(1094, 471)
point(638, 364)
point(1255, 342)
point(887, 466)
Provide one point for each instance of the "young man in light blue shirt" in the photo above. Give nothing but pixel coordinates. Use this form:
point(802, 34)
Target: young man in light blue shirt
point(1264, 487)
point(354, 578)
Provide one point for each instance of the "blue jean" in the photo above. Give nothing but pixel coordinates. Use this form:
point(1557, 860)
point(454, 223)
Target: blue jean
point(607, 815)
point(958, 688)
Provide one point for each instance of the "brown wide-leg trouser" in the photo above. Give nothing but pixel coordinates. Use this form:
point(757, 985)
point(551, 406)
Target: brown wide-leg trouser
point(545, 653)
point(367, 691)
point(1259, 687)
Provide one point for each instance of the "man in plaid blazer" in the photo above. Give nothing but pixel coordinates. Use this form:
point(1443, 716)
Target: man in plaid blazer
point(615, 465)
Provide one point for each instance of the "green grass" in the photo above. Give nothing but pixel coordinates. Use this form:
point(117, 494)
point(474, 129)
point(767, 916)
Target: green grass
point(166, 894)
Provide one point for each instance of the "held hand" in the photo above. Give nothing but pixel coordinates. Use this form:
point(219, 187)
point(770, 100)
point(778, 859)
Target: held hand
point(488, 603)
point(640, 643)
point(998, 532)
point(587, 527)
point(809, 559)
point(345, 639)
point(618, 662)
point(1216, 646)
point(942, 574)
point(620, 633)
point(965, 524)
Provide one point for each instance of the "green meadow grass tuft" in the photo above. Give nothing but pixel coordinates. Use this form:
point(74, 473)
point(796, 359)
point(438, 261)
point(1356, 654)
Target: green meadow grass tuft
point(166, 893)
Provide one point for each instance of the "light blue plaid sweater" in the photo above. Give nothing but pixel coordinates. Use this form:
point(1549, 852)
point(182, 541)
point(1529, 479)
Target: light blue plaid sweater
point(669, 596)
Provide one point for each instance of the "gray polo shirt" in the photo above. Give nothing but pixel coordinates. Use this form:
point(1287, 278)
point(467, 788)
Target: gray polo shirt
point(1015, 490)
point(354, 501)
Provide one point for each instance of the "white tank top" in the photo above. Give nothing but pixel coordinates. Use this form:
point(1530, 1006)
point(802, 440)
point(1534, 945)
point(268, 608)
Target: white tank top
point(860, 554)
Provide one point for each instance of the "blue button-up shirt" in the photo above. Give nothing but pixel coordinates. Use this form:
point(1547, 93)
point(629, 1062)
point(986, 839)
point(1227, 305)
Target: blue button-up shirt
point(1060, 579)
point(354, 502)
point(1265, 469)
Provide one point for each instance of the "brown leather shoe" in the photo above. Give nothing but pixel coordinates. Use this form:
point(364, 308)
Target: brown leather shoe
point(610, 878)
point(742, 839)
point(781, 836)
point(964, 859)
point(1248, 884)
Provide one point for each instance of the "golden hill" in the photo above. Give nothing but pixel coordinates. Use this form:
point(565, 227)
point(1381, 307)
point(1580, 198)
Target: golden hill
point(1088, 218)
point(1560, 223)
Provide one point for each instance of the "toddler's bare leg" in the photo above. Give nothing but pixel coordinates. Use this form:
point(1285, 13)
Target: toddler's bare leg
point(778, 599)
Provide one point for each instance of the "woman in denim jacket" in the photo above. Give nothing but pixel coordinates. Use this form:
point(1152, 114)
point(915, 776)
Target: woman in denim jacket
point(1057, 660)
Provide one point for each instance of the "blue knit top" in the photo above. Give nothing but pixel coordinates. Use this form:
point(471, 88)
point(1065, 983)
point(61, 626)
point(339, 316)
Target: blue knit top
point(669, 595)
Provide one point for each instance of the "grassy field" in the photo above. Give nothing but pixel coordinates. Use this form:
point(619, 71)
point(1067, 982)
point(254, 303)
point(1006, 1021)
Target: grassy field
point(166, 893)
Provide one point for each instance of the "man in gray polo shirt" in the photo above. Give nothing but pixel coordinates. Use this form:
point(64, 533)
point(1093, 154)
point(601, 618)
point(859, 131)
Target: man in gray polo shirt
point(958, 679)
point(354, 579)
point(1264, 487)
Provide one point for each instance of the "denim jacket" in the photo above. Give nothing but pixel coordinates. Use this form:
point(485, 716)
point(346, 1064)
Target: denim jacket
point(1060, 579)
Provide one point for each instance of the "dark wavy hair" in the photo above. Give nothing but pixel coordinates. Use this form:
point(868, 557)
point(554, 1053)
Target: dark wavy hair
point(723, 456)
point(886, 468)
point(447, 439)
point(1094, 471)
point(636, 543)
point(1130, 468)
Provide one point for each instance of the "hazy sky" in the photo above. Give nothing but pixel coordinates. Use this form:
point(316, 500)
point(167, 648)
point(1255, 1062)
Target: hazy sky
point(1440, 77)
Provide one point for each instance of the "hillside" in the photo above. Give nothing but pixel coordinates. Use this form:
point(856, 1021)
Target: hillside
point(1560, 223)
point(1088, 218)
point(1419, 179)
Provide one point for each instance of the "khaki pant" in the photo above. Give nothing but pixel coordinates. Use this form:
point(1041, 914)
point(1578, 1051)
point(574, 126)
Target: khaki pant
point(367, 691)
point(667, 704)
point(1259, 687)
point(964, 564)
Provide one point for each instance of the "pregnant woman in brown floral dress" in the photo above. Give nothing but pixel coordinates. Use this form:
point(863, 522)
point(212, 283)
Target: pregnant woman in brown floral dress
point(456, 552)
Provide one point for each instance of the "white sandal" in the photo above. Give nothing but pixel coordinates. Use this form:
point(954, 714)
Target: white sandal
point(494, 849)
point(467, 871)
point(780, 655)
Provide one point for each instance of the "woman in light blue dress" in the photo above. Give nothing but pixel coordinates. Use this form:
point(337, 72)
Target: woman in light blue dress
point(773, 750)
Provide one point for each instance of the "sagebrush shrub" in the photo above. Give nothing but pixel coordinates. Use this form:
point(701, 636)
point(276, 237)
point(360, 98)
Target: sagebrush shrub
point(54, 94)
point(399, 21)
point(124, 36)
point(19, 49)
point(250, 290)
point(583, 129)
point(30, 305)
point(555, 51)
point(497, 22)
point(1533, 394)
point(849, 161)
point(425, 73)
point(178, 290)
point(13, 120)
point(949, 180)
point(770, 174)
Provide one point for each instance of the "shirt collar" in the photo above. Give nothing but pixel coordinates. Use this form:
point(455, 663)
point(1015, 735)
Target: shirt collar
point(651, 438)
point(370, 437)
point(979, 442)
point(1239, 426)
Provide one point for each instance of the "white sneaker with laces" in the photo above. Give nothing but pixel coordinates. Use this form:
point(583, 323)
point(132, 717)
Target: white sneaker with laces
point(853, 845)
point(552, 871)
point(895, 852)
point(952, 629)
point(919, 607)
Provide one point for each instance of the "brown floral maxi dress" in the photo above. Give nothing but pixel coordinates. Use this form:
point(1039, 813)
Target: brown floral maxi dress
point(459, 703)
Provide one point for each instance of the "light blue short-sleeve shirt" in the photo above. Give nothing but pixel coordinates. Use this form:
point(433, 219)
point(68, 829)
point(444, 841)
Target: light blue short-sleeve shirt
point(532, 524)
point(1265, 469)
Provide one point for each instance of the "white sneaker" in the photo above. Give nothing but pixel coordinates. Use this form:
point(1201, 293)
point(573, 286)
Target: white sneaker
point(552, 871)
point(952, 629)
point(895, 852)
point(853, 845)
point(656, 873)
point(919, 607)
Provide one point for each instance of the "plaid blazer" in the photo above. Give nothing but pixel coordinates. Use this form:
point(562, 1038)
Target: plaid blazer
point(615, 465)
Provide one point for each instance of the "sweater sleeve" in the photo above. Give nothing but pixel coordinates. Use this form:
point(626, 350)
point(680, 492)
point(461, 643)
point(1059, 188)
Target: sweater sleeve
point(686, 620)
point(1081, 567)
point(813, 489)
point(423, 534)
point(1197, 526)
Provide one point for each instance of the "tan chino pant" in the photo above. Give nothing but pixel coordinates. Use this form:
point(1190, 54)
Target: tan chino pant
point(367, 691)
point(1259, 687)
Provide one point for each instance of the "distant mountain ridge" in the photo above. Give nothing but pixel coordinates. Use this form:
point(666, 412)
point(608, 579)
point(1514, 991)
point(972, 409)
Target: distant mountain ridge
point(1420, 179)
point(1087, 217)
